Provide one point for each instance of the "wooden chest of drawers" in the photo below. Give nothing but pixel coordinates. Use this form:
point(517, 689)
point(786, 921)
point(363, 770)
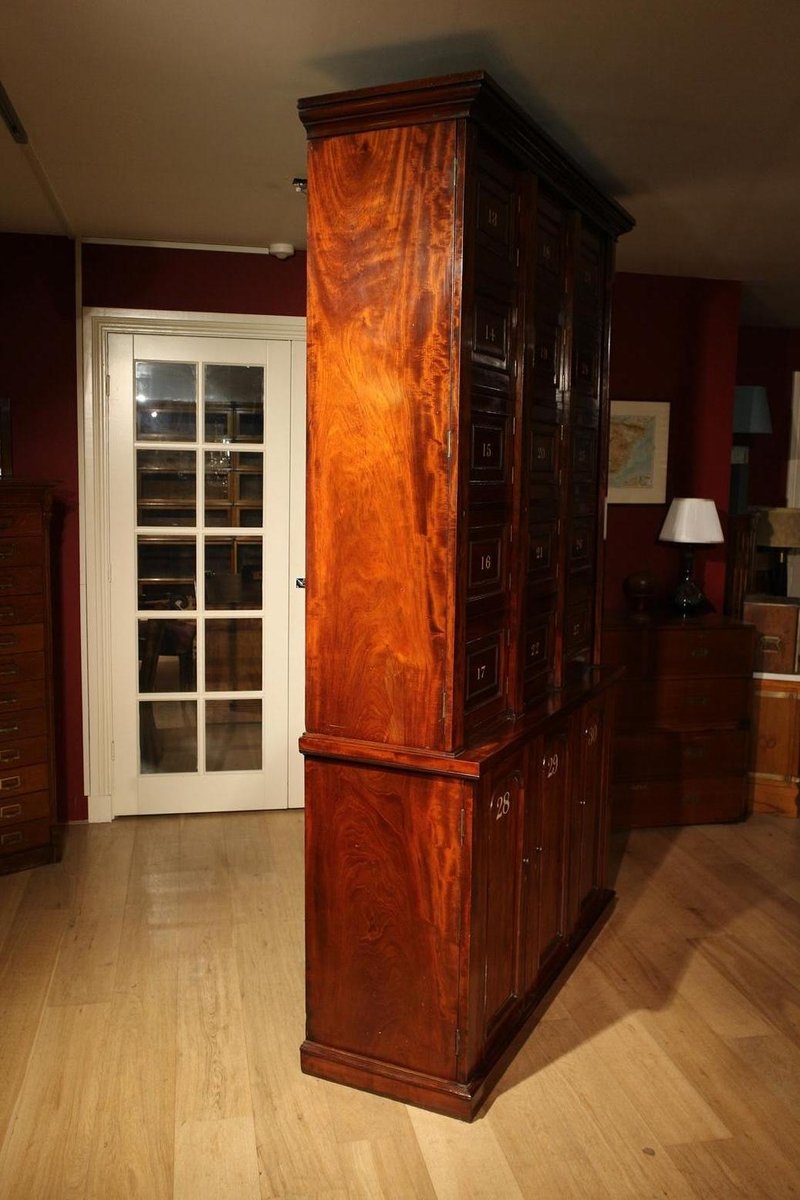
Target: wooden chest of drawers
point(681, 745)
point(27, 791)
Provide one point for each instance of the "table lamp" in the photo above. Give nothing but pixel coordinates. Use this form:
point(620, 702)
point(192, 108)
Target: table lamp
point(690, 522)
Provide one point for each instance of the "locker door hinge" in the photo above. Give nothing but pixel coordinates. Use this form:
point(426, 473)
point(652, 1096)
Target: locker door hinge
point(108, 384)
point(444, 703)
point(458, 1042)
point(462, 825)
point(455, 173)
point(449, 444)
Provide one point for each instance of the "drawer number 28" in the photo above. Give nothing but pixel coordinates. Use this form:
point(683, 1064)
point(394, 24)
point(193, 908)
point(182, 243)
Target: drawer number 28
point(502, 805)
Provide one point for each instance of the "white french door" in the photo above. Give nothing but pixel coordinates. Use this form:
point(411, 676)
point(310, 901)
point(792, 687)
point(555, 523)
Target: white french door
point(199, 436)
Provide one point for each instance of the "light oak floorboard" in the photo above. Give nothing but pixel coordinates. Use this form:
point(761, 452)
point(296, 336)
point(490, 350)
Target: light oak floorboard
point(151, 999)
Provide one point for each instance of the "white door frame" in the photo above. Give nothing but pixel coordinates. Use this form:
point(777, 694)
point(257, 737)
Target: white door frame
point(94, 509)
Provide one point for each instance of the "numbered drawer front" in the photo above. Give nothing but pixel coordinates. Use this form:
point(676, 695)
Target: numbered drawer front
point(704, 652)
point(20, 780)
point(678, 802)
point(488, 455)
point(581, 546)
point(543, 554)
point(543, 443)
point(32, 723)
point(20, 522)
point(20, 639)
point(486, 570)
point(21, 610)
point(586, 362)
point(24, 837)
point(546, 353)
point(584, 455)
point(578, 627)
point(686, 703)
point(538, 644)
point(549, 242)
point(21, 752)
point(22, 667)
point(495, 218)
point(19, 697)
point(21, 551)
point(20, 581)
point(32, 807)
point(658, 754)
point(492, 332)
point(485, 670)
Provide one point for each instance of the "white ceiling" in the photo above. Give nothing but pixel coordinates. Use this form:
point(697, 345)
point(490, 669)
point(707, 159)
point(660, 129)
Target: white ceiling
point(175, 120)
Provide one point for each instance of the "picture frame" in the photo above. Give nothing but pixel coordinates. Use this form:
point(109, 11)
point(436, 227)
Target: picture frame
point(5, 439)
point(638, 446)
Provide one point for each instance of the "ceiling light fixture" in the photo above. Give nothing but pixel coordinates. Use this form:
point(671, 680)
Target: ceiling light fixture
point(280, 249)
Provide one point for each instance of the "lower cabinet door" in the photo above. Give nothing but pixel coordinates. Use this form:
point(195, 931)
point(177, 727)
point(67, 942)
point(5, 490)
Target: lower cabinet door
point(502, 819)
point(591, 746)
point(545, 852)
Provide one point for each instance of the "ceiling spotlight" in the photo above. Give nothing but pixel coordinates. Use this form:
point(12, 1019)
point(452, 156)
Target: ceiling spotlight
point(300, 185)
point(281, 249)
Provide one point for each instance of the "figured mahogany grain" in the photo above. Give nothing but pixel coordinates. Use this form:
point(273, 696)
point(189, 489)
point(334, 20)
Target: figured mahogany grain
point(382, 954)
point(382, 351)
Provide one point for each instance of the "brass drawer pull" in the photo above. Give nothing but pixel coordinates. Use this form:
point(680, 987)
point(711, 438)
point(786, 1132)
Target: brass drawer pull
point(770, 643)
point(8, 550)
point(11, 640)
point(10, 671)
point(697, 701)
point(6, 701)
point(9, 756)
point(8, 728)
point(7, 586)
point(8, 785)
point(9, 811)
point(11, 839)
point(700, 652)
point(8, 612)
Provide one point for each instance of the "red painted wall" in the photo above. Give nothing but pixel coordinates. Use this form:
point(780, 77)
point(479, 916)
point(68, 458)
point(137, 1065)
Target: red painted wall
point(38, 374)
point(193, 280)
point(770, 357)
point(674, 340)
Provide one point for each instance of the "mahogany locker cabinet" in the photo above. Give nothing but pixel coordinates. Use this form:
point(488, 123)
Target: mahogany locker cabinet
point(457, 725)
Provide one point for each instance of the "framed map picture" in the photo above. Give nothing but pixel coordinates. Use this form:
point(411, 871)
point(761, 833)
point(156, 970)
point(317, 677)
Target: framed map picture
point(637, 453)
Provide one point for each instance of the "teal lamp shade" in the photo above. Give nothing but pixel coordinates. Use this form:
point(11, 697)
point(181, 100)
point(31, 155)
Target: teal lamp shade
point(751, 410)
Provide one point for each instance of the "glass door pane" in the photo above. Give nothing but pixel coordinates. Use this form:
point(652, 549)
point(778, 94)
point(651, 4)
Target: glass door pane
point(200, 677)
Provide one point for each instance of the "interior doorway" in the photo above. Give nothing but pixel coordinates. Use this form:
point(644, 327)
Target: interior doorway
point(195, 456)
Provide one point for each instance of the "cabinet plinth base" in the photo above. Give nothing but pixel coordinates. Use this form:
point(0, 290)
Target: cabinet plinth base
point(451, 1098)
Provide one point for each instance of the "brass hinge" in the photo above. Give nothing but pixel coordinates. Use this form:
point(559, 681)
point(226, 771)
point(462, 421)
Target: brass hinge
point(462, 825)
point(444, 703)
point(449, 444)
point(458, 1041)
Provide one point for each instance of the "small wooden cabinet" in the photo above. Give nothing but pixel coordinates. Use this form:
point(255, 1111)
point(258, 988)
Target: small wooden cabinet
point(27, 785)
point(682, 741)
point(458, 727)
point(775, 754)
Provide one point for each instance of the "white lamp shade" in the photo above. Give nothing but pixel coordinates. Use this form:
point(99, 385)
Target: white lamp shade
point(691, 520)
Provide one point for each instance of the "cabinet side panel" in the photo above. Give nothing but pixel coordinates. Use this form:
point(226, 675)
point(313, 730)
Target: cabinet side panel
point(380, 371)
point(383, 896)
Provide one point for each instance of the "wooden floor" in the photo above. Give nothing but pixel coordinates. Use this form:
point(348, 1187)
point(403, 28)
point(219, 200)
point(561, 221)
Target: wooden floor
point(151, 1009)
